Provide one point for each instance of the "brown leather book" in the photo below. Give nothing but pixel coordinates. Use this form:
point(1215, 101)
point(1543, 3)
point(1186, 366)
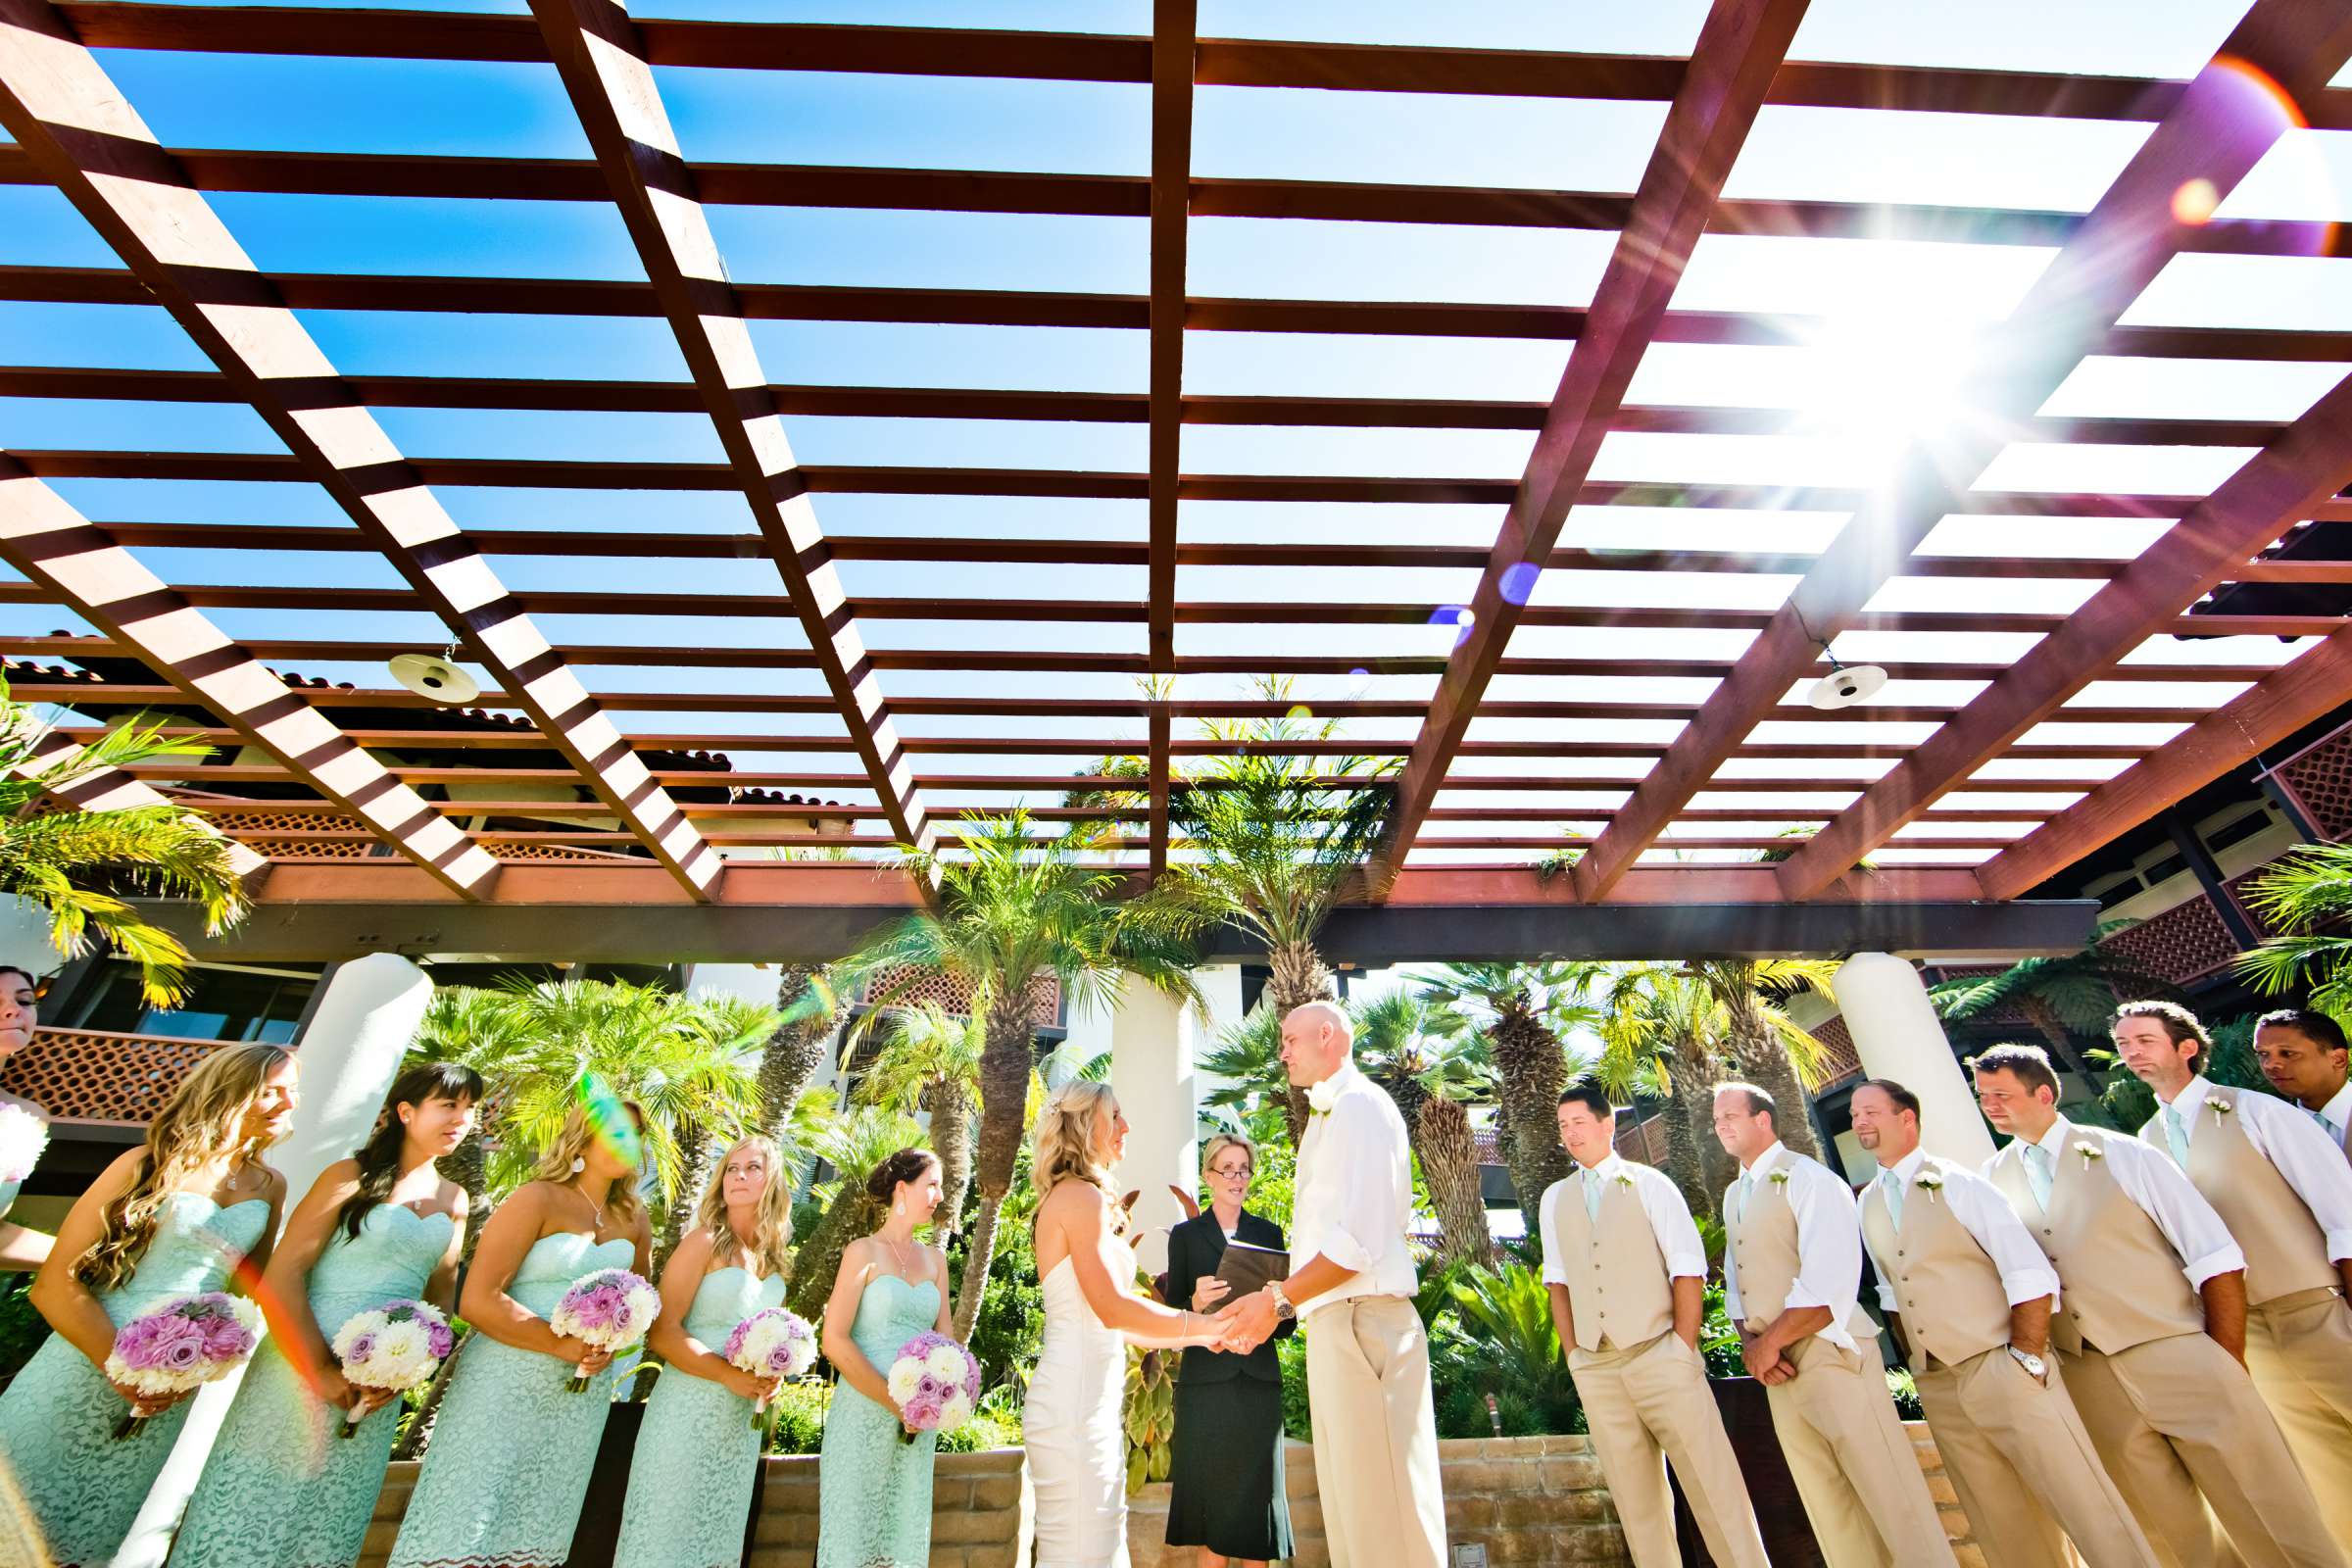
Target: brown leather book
point(1247, 1268)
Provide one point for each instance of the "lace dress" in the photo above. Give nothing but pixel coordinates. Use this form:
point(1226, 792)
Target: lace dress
point(281, 1489)
point(58, 1418)
point(873, 1507)
point(689, 1485)
point(508, 1463)
point(1072, 1426)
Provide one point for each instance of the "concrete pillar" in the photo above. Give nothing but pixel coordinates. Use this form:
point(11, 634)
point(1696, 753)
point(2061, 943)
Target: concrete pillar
point(1151, 1047)
point(360, 1027)
point(1897, 1035)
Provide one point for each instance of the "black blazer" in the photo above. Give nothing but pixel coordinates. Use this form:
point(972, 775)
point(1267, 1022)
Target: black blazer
point(1195, 1249)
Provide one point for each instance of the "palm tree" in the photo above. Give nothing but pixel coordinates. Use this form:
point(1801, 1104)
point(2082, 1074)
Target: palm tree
point(2073, 993)
point(1661, 1032)
point(853, 1145)
point(724, 1029)
point(807, 1005)
point(1008, 913)
point(931, 1061)
point(79, 866)
point(1763, 1042)
point(1430, 1062)
point(2305, 896)
point(465, 1024)
point(1529, 1009)
point(1247, 1058)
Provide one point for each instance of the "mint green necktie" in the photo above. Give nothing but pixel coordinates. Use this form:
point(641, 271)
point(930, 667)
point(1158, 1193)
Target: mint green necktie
point(2326, 1126)
point(1894, 1194)
point(1739, 1193)
point(2176, 1132)
point(2039, 1174)
point(1593, 1194)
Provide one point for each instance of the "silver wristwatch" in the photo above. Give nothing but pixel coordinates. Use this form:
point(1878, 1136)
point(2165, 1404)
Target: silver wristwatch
point(1284, 1311)
point(2036, 1368)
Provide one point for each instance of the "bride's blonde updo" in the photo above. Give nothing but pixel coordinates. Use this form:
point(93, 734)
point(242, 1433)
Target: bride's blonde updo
point(1065, 1141)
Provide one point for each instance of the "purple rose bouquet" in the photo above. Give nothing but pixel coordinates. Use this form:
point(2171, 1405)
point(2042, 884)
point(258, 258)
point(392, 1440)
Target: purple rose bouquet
point(181, 1346)
point(390, 1349)
point(611, 1310)
point(770, 1343)
point(937, 1385)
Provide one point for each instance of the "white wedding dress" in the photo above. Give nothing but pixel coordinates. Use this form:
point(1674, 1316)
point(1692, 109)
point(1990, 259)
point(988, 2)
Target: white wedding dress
point(1072, 1426)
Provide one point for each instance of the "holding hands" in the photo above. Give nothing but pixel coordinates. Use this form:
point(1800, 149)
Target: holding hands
point(1248, 1321)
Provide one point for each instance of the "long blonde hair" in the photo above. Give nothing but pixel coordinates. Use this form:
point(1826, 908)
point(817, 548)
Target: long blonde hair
point(771, 1227)
point(622, 1205)
point(203, 1120)
point(1066, 1142)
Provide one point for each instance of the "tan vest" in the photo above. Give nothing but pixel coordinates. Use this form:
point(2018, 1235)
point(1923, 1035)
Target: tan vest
point(2120, 1281)
point(1617, 1283)
point(2285, 1250)
point(1945, 1285)
point(1764, 1254)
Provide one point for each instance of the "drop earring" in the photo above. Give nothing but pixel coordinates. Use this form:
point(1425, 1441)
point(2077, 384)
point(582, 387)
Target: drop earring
point(898, 1208)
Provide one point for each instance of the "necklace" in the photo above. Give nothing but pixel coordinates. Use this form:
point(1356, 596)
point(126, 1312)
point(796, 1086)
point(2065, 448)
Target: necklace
point(898, 1262)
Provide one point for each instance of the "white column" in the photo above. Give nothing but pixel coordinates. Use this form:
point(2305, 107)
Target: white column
point(350, 1051)
point(1897, 1036)
point(1151, 1042)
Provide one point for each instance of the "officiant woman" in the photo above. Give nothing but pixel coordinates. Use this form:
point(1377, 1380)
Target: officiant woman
point(1228, 1500)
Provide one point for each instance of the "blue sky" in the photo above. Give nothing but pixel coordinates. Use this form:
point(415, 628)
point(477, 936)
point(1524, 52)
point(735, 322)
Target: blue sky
point(1937, 291)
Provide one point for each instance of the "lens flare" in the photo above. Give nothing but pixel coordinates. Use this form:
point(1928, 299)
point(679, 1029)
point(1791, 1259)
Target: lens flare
point(2195, 202)
point(1518, 584)
point(609, 1119)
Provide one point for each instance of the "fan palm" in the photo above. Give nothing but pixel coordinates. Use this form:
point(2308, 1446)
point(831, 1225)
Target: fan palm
point(79, 866)
point(1661, 1032)
point(808, 1007)
point(1780, 1057)
point(930, 1060)
point(1431, 1063)
point(2306, 896)
point(724, 1029)
point(1529, 1006)
point(1246, 1061)
point(853, 1144)
point(2074, 993)
point(1008, 913)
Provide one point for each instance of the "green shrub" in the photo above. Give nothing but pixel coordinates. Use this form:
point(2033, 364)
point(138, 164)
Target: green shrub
point(21, 1329)
point(1498, 1340)
point(1296, 1422)
point(1906, 1393)
point(798, 1415)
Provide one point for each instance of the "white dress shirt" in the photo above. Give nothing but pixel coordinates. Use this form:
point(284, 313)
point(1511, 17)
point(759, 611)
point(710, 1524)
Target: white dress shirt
point(1829, 1241)
point(1662, 1205)
point(2338, 1112)
point(2162, 1189)
point(2283, 1133)
point(1353, 1191)
point(1983, 1212)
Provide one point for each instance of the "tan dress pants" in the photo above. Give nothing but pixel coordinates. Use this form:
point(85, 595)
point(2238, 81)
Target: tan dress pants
point(2178, 1417)
point(1649, 1407)
point(1376, 1434)
point(2025, 1469)
point(1853, 1465)
point(2299, 1350)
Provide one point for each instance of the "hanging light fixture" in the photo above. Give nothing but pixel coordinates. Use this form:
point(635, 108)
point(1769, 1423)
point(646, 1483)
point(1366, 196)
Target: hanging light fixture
point(1846, 685)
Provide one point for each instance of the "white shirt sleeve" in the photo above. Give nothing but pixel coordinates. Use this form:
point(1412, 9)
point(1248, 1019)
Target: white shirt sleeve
point(1547, 1225)
point(2151, 1179)
point(1350, 1157)
point(1731, 1266)
point(1984, 1211)
point(1829, 1248)
point(2310, 1160)
point(1671, 1223)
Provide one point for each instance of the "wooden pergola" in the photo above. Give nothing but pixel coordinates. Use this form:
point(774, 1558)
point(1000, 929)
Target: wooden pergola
point(1642, 803)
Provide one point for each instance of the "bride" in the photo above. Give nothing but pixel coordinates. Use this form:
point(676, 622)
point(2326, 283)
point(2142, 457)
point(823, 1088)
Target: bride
point(1076, 1441)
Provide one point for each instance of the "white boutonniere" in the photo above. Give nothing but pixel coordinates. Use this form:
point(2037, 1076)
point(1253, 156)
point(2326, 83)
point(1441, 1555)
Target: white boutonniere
point(1931, 1184)
point(2090, 1153)
point(1779, 1178)
point(1320, 1097)
point(2221, 1108)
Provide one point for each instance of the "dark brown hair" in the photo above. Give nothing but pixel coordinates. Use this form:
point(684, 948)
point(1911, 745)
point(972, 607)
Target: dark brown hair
point(907, 1166)
point(2031, 1063)
point(2180, 1026)
point(1903, 1098)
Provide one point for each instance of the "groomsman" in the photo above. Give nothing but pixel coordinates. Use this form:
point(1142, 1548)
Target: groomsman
point(2283, 1188)
point(1626, 1274)
point(1969, 1296)
point(2303, 1056)
point(1792, 1276)
point(2153, 1364)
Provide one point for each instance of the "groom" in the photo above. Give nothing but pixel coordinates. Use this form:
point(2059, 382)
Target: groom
point(1367, 1359)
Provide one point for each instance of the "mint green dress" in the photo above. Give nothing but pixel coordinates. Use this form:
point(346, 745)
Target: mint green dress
point(690, 1485)
point(280, 1488)
point(873, 1505)
point(58, 1418)
point(508, 1466)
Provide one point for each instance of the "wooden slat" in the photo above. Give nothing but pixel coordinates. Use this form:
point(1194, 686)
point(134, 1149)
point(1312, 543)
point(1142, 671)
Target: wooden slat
point(1174, 26)
point(113, 789)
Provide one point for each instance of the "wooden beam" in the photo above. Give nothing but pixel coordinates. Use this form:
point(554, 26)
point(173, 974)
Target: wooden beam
point(47, 540)
point(1739, 47)
point(2216, 132)
point(60, 106)
point(1174, 26)
point(2249, 510)
point(599, 54)
point(2307, 690)
point(112, 789)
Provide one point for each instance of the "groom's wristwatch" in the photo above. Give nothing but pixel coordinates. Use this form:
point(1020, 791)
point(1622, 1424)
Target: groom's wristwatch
point(2034, 1366)
point(1284, 1311)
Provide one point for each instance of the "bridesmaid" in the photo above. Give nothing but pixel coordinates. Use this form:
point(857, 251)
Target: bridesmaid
point(174, 1217)
point(690, 1489)
point(508, 1463)
point(19, 1017)
point(281, 1489)
point(874, 1489)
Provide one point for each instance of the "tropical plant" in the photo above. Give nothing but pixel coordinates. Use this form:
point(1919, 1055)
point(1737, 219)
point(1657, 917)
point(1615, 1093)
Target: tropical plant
point(1246, 1061)
point(2306, 896)
point(853, 1144)
point(1498, 1343)
point(2062, 996)
point(1529, 1004)
point(1777, 1054)
point(807, 1005)
point(80, 866)
point(1425, 1055)
point(1662, 1031)
point(930, 1060)
point(1007, 913)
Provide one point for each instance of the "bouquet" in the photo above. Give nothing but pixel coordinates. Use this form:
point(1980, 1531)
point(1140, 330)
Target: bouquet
point(937, 1385)
point(23, 1137)
point(390, 1349)
point(611, 1310)
point(181, 1346)
point(771, 1344)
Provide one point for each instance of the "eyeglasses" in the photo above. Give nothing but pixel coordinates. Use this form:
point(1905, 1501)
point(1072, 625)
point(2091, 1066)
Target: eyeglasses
point(1228, 1171)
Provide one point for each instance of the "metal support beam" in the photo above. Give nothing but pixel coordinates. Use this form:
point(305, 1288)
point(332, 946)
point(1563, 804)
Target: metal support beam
point(2208, 873)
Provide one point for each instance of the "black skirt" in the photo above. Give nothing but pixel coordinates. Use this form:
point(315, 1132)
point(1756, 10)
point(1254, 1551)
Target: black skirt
point(1226, 1473)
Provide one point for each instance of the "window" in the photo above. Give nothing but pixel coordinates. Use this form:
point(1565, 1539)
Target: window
point(236, 1005)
